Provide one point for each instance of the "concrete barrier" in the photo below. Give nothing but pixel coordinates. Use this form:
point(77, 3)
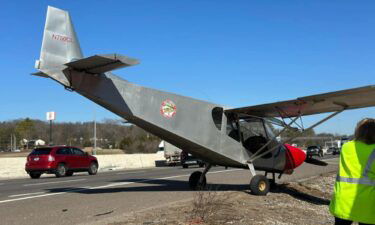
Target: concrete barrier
point(14, 167)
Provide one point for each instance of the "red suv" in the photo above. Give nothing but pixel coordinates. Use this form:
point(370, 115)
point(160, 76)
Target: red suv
point(61, 161)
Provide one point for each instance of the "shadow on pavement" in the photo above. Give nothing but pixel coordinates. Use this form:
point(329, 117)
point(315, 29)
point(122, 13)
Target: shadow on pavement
point(154, 185)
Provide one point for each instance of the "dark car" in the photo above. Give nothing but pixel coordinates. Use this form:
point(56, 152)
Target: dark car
point(335, 150)
point(314, 150)
point(188, 159)
point(61, 161)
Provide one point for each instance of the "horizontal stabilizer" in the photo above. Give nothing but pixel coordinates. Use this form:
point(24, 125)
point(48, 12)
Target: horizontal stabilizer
point(102, 63)
point(329, 102)
point(40, 74)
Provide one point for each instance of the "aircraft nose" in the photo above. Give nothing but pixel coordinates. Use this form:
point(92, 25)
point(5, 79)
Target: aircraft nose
point(294, 157)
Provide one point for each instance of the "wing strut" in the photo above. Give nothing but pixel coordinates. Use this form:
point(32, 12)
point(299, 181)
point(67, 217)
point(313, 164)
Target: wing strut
point(259, 153)
point(281, 112)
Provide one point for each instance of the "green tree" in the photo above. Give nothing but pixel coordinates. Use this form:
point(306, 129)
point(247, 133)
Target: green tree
point(25, 128)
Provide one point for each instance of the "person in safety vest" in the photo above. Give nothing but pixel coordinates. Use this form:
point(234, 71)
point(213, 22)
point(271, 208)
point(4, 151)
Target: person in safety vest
point(354, 192)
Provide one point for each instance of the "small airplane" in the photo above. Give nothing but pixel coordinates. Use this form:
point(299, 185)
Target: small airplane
point(230, 137)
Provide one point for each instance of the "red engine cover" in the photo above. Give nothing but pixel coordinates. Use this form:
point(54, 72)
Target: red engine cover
point(294, 157)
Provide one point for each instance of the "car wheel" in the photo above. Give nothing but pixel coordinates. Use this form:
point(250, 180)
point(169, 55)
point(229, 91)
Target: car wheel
point(69, 173)
point(185, 166)
point(35, 175)
point(259, 185)
point(61, 170)
point(93, 169)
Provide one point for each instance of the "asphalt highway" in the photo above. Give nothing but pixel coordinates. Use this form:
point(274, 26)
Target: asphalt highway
point(106, 197)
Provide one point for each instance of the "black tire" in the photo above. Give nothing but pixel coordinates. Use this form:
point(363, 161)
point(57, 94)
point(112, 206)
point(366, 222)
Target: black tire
point(93, 168)
point(35, 175)
point(61, 170)
point(201, 164)
point(259, 185)
point(185, 166)
point(69, 173)
point(194, 181)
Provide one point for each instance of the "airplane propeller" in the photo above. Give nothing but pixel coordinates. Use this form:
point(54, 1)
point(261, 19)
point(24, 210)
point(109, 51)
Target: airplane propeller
point(315, 162)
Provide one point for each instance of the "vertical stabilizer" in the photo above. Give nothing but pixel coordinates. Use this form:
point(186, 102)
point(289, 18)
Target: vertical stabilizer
point(60, 43)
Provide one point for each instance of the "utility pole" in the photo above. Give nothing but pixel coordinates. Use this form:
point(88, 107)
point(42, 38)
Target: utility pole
point(11, 142)
point(94, 152)
point(15, 142)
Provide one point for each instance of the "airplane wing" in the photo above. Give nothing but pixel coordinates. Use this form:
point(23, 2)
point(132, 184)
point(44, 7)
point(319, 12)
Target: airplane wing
point(329, 102)
point(102, 63)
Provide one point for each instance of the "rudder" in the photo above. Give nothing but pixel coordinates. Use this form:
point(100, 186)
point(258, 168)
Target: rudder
point(60, 43)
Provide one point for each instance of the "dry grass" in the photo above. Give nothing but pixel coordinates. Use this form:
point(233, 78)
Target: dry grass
point(208, 207)
point(294, 203)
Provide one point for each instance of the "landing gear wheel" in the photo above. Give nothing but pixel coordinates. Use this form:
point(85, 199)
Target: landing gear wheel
point(69, 173)
point(259, 185)
point(194, 181)
point(34, 175)
point(93, 169)
point(61, 170)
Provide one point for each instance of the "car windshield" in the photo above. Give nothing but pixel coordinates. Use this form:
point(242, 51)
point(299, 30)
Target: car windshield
point(41, 151)
point(312, 147)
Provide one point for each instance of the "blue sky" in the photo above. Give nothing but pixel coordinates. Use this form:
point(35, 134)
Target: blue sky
point(236, 53)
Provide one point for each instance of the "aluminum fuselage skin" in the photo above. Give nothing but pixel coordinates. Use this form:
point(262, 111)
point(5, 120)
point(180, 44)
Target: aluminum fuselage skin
point(191, 128)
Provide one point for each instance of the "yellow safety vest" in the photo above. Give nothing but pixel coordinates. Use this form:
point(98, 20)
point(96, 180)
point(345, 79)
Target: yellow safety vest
point(354, 194)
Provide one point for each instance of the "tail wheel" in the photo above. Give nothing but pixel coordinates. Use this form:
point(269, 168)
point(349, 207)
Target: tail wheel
point(93, 169)
point(61, 170)
point(194, 181)
point(259, 185)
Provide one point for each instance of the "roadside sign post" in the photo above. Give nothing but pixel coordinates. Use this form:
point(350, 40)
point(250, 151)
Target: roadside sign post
point(50, 117)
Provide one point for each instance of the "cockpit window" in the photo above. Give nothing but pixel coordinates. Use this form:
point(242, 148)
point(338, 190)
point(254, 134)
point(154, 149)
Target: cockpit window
point(217, 114)
point(252, 127)
point(232, 130)
point(255, 134)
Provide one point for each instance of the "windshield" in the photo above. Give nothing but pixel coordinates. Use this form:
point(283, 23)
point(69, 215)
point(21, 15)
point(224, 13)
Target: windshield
point(41, 151)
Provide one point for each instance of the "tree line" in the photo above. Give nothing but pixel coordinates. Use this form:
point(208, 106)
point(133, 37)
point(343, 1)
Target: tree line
point(110, 134)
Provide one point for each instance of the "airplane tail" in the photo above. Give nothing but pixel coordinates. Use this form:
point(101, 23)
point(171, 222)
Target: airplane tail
point(60, 46)
point(61, 50)
point(60, 43)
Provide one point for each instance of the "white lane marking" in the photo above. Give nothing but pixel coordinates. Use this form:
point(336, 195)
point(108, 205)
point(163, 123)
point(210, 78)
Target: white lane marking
point(109, 185)
point(49, 194)
point(130, 172)
point(34, 193)
point(54, 182)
